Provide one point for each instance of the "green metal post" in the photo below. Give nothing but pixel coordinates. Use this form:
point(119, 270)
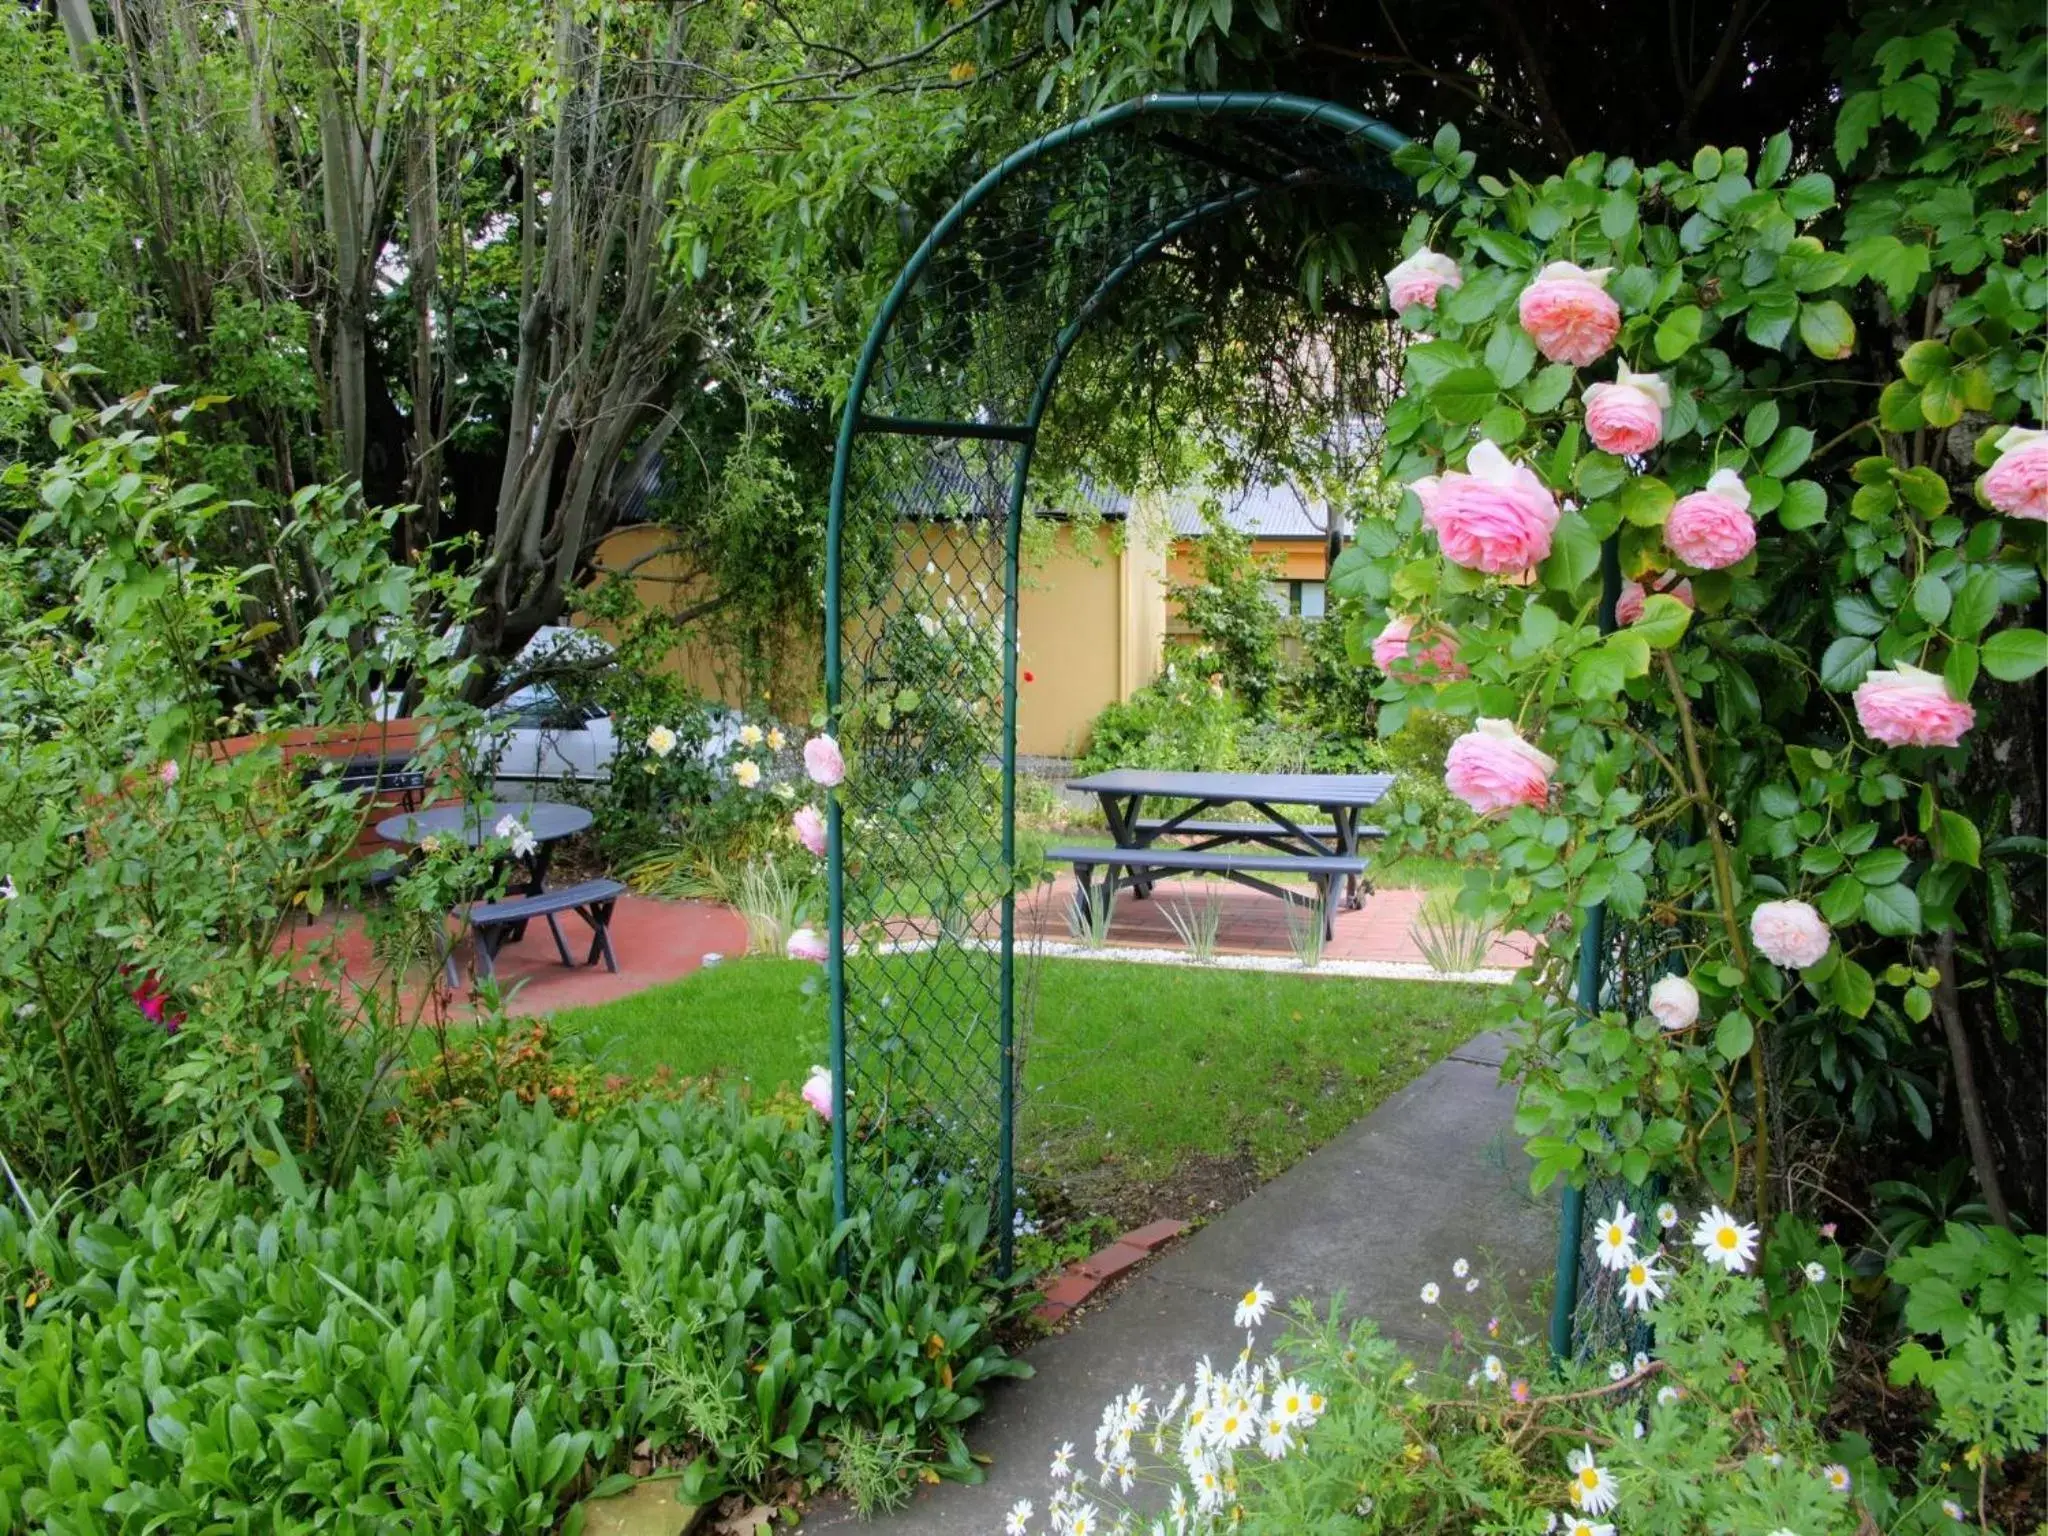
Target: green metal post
point(1592, 952)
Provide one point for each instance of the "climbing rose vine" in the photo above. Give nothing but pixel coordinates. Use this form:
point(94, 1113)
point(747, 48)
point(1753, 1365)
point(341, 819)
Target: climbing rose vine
point(1726, 587)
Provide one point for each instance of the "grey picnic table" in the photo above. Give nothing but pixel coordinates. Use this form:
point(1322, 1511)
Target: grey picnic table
point(548, 820)
point(1340, 796)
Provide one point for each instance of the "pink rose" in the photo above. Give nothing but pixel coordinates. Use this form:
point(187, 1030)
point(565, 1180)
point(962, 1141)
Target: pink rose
point(805, 944)
point(167, 772)
point(2017, 484)
point(1492, 769)
point(818, 1092)
point(1627, 416)
point(1492, 516)
point(1418, 279)
point(1789, 933)
point(810, 829)
point(1911, 708)
point(1629, 606)
point(823, 762)
point(1712, 528)
point(1569, 313)
point(1395, 653)
point(1675, 1002)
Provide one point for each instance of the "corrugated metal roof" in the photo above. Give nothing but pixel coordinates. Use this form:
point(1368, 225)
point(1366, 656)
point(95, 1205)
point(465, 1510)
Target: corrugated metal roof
point(1260, 511)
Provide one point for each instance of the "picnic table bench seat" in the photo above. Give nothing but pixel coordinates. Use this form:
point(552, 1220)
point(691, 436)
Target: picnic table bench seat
point(1325, 869)
point(496, 921)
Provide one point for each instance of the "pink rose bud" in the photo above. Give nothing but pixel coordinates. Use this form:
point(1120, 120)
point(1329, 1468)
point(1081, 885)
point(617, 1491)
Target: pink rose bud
point(805, 944)
point(1675, 1003)
point(1712, 528)
point(1789, 933)
point(823, 762)
point(1911, 708)
point(1492, 769)
point(1491, 516)
point(1627, 416)
point(1629, 606)
point(2017, 484)
point(1435, 658)
point(167, 772)
point(1418, 279)
point(818, 1092)
point(810, 829)
point(1569, 314)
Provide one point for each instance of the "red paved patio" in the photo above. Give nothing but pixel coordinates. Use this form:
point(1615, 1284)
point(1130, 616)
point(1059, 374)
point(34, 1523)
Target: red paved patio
point(1252, 923)
point(655, 941)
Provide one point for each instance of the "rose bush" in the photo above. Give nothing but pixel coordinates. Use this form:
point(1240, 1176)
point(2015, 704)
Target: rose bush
point(1791, 741)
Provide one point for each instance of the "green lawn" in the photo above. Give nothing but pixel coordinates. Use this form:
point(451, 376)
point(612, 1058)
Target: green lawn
point(1142, 1066)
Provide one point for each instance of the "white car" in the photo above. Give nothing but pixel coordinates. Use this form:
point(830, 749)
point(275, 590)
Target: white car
point(537, 737)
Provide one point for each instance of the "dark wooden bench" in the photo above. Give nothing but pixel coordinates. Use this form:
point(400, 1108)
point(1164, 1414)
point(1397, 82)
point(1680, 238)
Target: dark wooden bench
point(1217, 833)
point(1144, 864)
point(496, 921)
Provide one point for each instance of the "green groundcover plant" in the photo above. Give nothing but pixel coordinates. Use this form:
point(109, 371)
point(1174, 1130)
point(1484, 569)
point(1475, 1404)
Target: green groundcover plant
point(487, 1328)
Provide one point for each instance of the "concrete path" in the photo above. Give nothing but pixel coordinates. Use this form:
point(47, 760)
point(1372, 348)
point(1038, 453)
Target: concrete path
point(1433, 1174)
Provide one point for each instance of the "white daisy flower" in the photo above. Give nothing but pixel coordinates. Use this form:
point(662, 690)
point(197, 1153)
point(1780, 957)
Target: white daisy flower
point(1471, 1285)
point(1616, 1244)
point(1276, 1442)
point(1461, 1269)
point(1251, 1309)
point(1019, 1518)
point(1593, 1487)
point(1430, 1293)
point(1493, 1369)
point(1316, 1404)
point(1642, 1283)
point(1578, 1525)
point(1667, 1395)
point(1233, 1427)
point(1617, 1372)
point(1816, 1273)
point(1837, 1476)
point(1063, 1461)
point(1725, 1241)
point(1082, 1521)
point(1290, 1402)
point(1640, 1364)
point(1667, 1215)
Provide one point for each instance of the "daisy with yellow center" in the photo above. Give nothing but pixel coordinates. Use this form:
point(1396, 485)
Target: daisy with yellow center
point(1251, 1308)
point(1837, 1476)
point(1593, 1487)
point(1616, 1246)
point(1579, 1526)
point(1725, 1241)
point(1642, 1283)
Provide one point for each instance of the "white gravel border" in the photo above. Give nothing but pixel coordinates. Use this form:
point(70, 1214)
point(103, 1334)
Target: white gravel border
point(1378, 970)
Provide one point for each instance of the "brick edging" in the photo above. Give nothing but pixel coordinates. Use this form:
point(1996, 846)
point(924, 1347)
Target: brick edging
point(1083, 1278)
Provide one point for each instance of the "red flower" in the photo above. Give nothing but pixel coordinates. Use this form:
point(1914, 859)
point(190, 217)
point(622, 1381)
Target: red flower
point(1028, 677)
point(150, 998)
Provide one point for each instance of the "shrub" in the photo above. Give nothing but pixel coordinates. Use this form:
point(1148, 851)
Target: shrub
point(474, 1338)
point(1228, 606)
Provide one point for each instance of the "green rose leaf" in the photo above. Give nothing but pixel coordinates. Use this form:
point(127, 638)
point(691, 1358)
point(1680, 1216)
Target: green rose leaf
point(1805, 504)
point(1464, 395)
point(1898, 407)
point(1810, 195)
point(1645, 501)
point(2014, 655)
point(1733, 1036)
point(1976, 605)
point(1792, 448)
point(1853, 989)
point(1846, 663)
point(1574, 555)
point(1956, 838)
point(1827, 330)
point(1548, 389)
point(1892, 910)
point(1931, 599)
point(1678, 333)
point(1663, 622)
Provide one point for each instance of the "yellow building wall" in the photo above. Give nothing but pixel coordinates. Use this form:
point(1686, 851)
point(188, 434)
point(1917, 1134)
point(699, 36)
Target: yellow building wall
point(1286, 559)
point(1091, 628)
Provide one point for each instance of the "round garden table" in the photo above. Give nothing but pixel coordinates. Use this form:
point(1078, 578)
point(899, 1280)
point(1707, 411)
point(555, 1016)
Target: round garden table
point(548, 820)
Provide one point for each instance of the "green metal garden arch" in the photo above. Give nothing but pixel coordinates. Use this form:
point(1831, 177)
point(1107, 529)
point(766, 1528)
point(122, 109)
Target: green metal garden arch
point(936, 438)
